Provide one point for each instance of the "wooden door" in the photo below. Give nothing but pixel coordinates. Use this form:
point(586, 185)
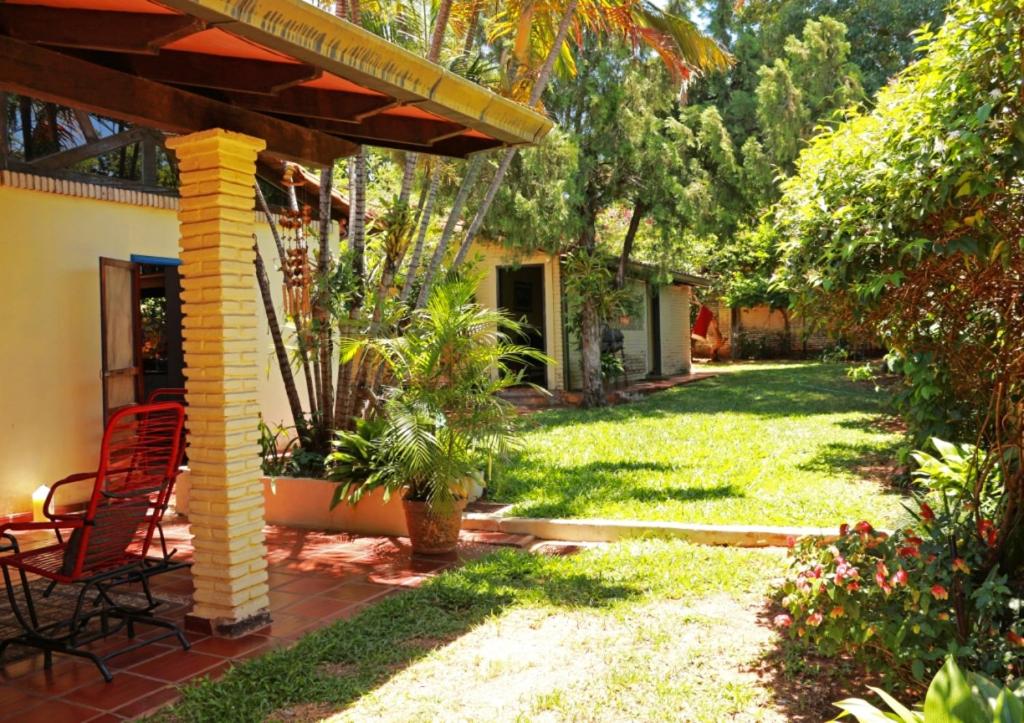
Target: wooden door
point(121, 331)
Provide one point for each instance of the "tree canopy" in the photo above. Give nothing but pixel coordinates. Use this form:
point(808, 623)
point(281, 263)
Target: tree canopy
point(908, 223)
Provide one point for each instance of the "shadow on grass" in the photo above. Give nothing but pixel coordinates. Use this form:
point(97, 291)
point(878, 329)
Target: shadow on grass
point(568, 491)
point(333, 667)
point(789, 391)
point(869, 461)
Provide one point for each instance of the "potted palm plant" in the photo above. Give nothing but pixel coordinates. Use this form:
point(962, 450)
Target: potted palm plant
point(440, 419)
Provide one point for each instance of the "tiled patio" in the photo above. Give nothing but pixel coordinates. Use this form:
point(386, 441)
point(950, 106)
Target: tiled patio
point(315, 578)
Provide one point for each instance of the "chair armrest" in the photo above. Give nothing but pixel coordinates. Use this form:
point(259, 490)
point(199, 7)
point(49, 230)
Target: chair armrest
point(70, 479)
point(29, 526)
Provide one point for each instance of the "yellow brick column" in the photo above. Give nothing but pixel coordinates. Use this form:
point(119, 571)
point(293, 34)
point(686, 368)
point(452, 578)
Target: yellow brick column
point(218, 170)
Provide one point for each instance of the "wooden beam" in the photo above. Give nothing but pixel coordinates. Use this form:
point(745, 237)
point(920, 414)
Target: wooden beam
point(85, 123)
point(213, 71)
point(316, 103)
point(30, 71)
point(95, 30)
point(391, 128)
point(70, 157)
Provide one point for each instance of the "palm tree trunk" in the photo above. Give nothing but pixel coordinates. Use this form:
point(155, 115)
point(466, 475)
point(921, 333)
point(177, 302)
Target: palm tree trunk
point(320, 310)
point(444, 10)
point(474, 21)
point(357, 224)
point(472, 171)
point(280, 351)
point(538, 90)
point(421, 235)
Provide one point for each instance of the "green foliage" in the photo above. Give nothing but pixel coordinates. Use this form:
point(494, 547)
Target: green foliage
point(612, 368)
point(902, 602)
point(588, 277)
point(282, 454)
point(879, 31)
point(952, 696)
point(441, 419)
point(903, 223)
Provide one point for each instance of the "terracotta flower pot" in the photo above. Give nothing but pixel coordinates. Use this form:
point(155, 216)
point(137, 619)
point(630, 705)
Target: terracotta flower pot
point(432, 532)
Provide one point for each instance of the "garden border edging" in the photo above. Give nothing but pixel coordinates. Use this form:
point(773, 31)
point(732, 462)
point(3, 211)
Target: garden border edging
point(601, 530)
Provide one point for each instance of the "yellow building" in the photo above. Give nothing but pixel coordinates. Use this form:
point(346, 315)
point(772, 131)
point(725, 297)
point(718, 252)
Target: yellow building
point(528, 285)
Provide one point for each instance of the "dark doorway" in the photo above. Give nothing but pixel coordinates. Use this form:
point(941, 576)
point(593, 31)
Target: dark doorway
point(655, 333)
point(162, 356)
point(521, 294)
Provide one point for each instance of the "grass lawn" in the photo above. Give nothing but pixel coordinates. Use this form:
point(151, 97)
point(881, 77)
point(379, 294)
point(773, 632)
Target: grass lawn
point(778, 444)
point(641, 630)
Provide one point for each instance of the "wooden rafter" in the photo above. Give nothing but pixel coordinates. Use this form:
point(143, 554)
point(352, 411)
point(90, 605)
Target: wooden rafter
point(92, 149)
point(211, 71)
point(30, 70)
point(313, 103)
point(95, 30)
point(386, 128)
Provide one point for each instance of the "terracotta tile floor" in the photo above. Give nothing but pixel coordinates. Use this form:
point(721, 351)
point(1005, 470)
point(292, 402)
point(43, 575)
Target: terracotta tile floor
point(315, 579)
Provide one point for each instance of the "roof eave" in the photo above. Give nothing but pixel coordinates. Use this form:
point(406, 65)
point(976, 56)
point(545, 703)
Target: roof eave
point(311, 35)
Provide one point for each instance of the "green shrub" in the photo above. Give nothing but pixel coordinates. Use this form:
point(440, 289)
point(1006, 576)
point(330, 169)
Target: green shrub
point(902, 602)
point(952, 696)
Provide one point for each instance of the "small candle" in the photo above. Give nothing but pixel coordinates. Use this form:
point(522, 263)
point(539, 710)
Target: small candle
point(38, 500)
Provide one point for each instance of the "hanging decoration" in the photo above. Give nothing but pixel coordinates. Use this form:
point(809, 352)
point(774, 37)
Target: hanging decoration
point(298, 271)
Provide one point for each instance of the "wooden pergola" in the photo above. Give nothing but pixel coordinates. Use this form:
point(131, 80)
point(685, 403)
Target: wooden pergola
point(239, 78)
point(307, 83)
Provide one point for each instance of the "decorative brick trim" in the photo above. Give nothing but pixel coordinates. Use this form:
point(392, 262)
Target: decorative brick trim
point(84, 189)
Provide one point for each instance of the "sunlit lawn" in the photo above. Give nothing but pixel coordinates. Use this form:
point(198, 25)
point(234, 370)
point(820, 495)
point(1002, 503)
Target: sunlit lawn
point(643, 630)
point(780, 444)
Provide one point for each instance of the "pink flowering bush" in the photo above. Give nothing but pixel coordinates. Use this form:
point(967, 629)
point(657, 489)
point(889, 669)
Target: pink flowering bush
point(902, 602)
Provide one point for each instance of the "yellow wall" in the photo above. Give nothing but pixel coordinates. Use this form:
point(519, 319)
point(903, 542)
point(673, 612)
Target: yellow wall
point(50, 387)
point(488, 258)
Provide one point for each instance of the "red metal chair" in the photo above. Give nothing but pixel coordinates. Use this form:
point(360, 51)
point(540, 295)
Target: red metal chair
point(108, 543)
point(177, 395)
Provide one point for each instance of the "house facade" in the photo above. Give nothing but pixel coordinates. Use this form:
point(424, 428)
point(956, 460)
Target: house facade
point(528, 285)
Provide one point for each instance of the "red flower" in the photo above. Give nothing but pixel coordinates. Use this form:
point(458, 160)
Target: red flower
point(863, 527)
point(844, 529)
point(988, 532)
point(900, 578)
point(881, 572)
point(939, 592)
point(814, 619)
point(908, 551)
point(959, 564)
point(782, 621)
point(1015, 638)
point(790, 541)
point(881, 577)
point(837, 612)
point(926, 512)
point(853, 586)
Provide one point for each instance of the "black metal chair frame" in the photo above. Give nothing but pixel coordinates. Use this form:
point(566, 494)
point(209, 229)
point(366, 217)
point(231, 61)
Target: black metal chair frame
point(68, 636)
